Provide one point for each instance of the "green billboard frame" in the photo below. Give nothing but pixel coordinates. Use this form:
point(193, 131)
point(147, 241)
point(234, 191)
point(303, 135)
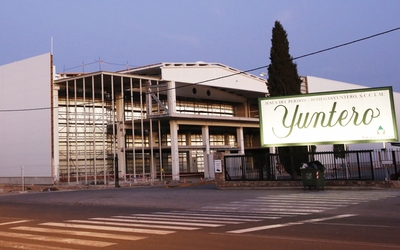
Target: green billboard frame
point(277, 111)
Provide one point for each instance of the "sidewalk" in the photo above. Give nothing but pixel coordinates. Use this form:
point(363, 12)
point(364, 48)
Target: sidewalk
point(16, 189)
point(329, 185)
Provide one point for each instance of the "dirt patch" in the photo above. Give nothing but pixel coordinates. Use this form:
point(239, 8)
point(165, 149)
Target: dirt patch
point(10, 189)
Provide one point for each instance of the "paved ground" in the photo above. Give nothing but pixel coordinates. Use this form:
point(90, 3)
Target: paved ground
point(197, 217)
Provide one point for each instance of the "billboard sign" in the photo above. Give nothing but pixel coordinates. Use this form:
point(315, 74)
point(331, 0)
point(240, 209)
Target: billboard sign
point(353, 116)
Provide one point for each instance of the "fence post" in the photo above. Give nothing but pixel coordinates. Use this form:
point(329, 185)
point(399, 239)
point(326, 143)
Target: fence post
point(359, 167)
point(243, 160)
point(267, 159)
point(394, 160)
point(372, 165)
point(22, 179)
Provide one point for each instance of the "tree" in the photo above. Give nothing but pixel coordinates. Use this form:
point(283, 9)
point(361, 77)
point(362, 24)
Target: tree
point(284, 80)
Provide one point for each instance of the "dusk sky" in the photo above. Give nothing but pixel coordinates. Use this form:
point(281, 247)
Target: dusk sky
point(236, 33)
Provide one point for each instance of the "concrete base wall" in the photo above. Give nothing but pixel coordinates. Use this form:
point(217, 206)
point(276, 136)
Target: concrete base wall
point(27, 180)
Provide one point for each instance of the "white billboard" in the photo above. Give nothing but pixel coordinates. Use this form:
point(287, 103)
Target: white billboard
point(354, 116)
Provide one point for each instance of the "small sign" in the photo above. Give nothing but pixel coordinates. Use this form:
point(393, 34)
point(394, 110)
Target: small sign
point(218, 166)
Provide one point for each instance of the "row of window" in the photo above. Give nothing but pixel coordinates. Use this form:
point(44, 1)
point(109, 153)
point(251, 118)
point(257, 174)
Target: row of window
point(195, 140)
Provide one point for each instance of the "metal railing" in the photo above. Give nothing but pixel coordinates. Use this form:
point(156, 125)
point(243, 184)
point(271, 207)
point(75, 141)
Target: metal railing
point(348, 165)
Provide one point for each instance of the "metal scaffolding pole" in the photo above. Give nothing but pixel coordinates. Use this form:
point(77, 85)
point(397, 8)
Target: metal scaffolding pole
point(67, 130)
point(141, 125)
point(84, 128)
point(104, 126)
point(76, 134)
point(133, 130)
point(113, 127)
point(94, 133)
point(123, 128)
point(160, 149)
point(159, 136)
point(152, 169)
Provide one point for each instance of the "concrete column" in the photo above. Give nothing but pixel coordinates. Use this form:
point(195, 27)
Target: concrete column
point(240, 139)
point(120, 132)
point(171, 97)
point(208, 168)
point(174, 127)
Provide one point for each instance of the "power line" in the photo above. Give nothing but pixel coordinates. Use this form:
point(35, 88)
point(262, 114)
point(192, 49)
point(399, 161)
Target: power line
point(230, 75)
point(348, 43)
point(22, 110)
point(298, 57)
point(306, 55)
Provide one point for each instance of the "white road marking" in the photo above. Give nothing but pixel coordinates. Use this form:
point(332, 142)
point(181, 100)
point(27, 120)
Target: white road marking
point(79, 233)
point(220, 215)
point(165, 222)
point(119, 224)
point(294, 199)
point(232, 208)
point(18, 245)
point(308, 200)
point(108, 228)
point(276, 213)
point(140, 218)
point(57, 239)
point(357, 225)
point(14, 222)
point(197, 216)
point(252, 229)
point(300, 203)
point(286, 205)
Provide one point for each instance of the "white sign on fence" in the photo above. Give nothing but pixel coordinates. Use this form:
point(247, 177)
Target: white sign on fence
point(354, 116)
point(218, 166)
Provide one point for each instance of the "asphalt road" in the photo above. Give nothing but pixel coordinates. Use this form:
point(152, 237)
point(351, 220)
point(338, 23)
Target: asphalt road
point(201, 217)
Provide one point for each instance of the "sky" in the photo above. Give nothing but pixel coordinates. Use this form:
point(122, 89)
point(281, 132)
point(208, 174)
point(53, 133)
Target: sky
point(237, 33)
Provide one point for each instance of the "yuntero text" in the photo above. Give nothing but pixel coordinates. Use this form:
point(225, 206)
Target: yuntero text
point(296, 119)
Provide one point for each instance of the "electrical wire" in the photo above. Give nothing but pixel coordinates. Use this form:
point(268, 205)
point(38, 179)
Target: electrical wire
point(21, 110)
point(298, 57)
point(229, 75)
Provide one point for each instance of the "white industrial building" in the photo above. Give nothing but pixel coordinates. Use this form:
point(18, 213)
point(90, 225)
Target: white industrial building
point(158, 121)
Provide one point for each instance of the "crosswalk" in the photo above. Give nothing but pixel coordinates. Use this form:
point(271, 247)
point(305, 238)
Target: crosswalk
point(100, 232)
point(278, 206)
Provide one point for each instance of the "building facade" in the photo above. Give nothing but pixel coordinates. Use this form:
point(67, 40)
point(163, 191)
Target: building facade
point(160, 121)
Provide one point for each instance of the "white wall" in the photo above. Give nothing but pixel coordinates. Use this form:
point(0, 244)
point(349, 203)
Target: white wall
point(25, 135)
point(196, 74)
point(316, 84)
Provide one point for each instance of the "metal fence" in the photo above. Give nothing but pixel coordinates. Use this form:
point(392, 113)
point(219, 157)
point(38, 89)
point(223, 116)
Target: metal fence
point(348, 165)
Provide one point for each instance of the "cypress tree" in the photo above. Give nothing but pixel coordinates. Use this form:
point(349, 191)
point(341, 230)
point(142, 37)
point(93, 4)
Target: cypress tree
point(284, 80)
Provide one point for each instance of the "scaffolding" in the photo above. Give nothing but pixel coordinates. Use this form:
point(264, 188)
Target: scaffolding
point(105, 119)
